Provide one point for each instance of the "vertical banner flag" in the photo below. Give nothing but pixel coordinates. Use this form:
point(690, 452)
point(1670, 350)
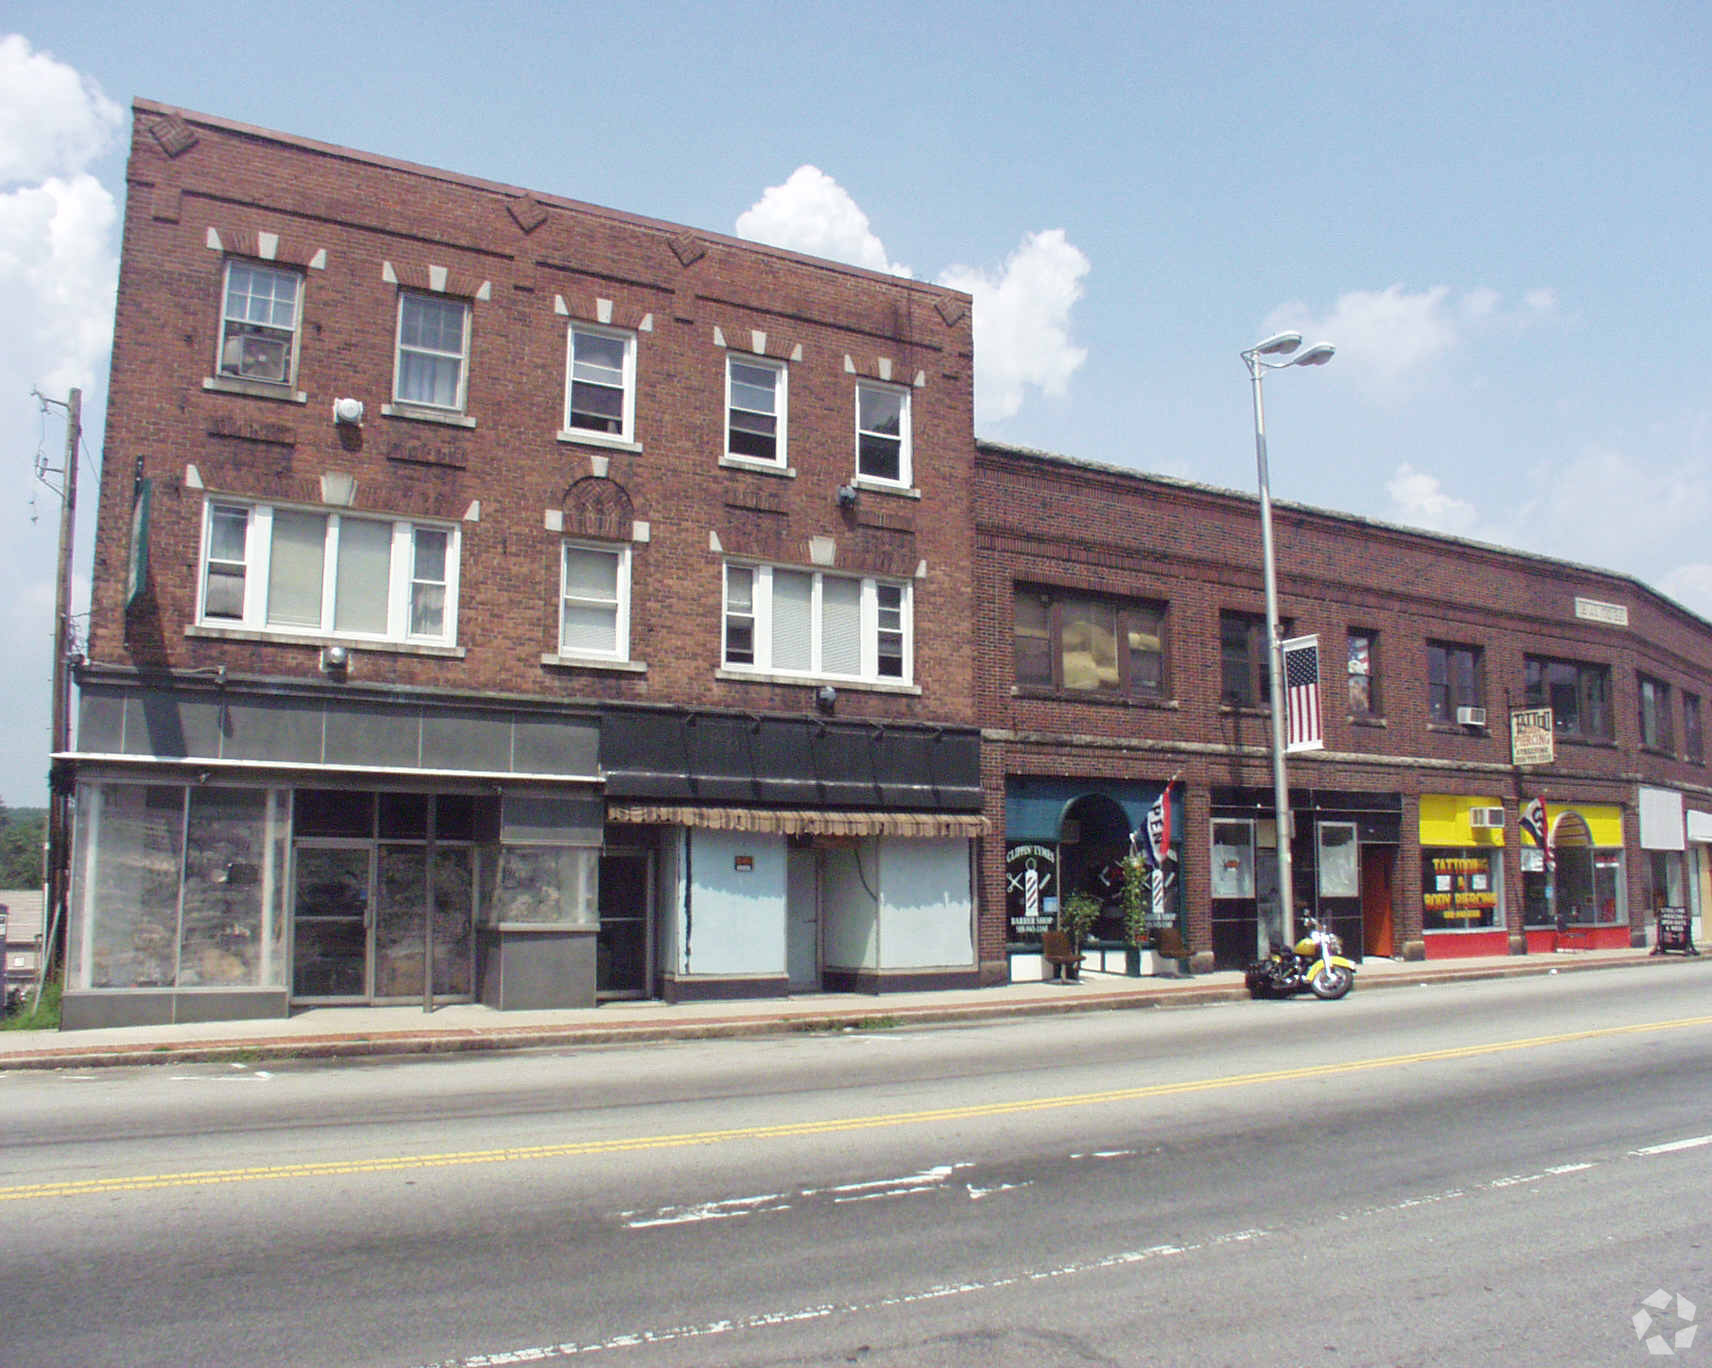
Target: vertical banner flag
point(1159, 829)
point(1302, 730)
point(1533, 821)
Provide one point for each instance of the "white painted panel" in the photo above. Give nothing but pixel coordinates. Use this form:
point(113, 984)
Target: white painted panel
point(669, 899)
point(848, 907)
point(1661, 819)
point(926, 909)
point(736, 917)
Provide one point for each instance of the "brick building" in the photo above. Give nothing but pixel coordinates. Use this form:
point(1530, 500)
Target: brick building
point(501, 597)
point(1123, 654)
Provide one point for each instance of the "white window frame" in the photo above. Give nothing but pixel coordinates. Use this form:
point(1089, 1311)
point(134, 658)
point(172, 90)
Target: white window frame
point(620, 604)
point(780, 413)
point(228, 323)
point(906, 470)
point(401, 587)
point(462, 355)
point(874, 620)
point(626, 436)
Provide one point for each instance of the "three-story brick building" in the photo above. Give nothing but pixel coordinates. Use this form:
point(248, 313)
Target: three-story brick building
point(501, 597)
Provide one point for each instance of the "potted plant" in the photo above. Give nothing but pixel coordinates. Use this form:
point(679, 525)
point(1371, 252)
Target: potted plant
point(1136, 901)
point(1081, 911)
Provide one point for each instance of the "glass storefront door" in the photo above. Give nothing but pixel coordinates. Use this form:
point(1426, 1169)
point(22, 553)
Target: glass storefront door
point(367, 914)
point(330, 921)
point(621, 955)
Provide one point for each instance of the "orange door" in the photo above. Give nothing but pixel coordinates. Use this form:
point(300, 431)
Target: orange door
point(1378, 864)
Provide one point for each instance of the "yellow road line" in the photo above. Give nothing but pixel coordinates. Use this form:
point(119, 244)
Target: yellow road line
point(84, 1187)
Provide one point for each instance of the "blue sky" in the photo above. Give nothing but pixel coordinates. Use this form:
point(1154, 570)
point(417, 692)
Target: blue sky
point(1497, 212)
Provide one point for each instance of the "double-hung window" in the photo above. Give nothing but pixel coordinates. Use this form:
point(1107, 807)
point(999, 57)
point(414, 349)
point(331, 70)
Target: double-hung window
point(1656, 731)
point(600, 383)
point(883, 433)
point(433, 351)
point(594, 601)
point(755, 410)
point(1453, 680)
point(1363, 673)
point(1693, 742)
point(1245, 661)
point(259, 323)
point(807, 622)
point(306, 571)
point(1578, 694)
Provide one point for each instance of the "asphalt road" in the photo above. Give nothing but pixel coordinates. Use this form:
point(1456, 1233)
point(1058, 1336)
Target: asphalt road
point(1454, 1174)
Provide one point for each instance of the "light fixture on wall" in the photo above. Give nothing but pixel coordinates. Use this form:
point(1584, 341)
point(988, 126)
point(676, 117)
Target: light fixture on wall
point(847, 496)
point(335, 660)
point(348, 411)
point(826, 698)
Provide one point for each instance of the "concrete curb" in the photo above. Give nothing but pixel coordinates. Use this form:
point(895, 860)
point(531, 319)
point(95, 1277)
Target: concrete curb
point(464, 1040)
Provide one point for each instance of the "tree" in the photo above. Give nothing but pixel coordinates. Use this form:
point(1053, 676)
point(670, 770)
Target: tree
point(23, 832)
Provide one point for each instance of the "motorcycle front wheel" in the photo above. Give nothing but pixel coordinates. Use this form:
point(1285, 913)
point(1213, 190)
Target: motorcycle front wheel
point(1332, 982)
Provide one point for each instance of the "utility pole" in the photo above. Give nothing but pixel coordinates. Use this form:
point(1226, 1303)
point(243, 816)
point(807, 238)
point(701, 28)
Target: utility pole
point(59, 779)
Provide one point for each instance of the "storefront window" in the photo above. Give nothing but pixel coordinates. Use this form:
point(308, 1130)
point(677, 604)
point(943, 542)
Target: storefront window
point(234, 863)
point(1233, 859)
point(1460, 889)
point(548, 885)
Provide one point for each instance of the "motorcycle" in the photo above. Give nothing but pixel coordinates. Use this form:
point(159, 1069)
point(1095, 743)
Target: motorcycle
point(1316, 962)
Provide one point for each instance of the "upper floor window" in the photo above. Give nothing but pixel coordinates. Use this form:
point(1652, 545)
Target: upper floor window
point(433, 351)
point(1363, 673)
point(755, 410)
point(1655, 714)
point(803, 622)
point(1075, 641)
point(594, 601)
point(600, 382)
point(1245, 661)
point(1453, 680)
point(259, 324)
point(1693, 742)
point(295, 570)
point(1578, 694)
point(883, 433)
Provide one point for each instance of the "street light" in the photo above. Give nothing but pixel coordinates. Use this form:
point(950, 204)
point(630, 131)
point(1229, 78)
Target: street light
point(1261, 358)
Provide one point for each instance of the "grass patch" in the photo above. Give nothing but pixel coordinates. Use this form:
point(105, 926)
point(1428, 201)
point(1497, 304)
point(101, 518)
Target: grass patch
point(41, 1016)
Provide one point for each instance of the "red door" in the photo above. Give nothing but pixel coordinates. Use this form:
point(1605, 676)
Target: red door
point(1378, 864)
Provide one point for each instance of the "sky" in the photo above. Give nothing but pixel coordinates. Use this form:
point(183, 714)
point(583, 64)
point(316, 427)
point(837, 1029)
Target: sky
point(1497, 213)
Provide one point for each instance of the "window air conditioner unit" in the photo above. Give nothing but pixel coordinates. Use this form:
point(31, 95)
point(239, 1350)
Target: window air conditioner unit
point(1471, 717)
point(1486, 818)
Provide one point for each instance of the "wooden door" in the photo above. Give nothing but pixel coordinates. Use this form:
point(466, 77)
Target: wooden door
point(1378, 868)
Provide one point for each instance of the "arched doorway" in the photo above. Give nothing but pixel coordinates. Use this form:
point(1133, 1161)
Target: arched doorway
point(1093, 839)
point(1573, 898)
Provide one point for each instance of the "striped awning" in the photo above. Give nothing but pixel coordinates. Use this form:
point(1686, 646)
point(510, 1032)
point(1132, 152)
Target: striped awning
point(800, 821)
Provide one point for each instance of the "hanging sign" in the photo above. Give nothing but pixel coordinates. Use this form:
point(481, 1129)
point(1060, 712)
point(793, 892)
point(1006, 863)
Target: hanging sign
point(1533, 740)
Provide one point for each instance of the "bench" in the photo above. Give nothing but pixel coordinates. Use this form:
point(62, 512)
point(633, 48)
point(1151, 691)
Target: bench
point(1056, 950)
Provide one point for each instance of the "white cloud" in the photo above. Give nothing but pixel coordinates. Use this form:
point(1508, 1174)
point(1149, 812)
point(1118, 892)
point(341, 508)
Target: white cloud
point(813, 213)
point(1390, 341)
point(53, 120)
point(1419, 500)
point(58, 268)
point(1022, 321)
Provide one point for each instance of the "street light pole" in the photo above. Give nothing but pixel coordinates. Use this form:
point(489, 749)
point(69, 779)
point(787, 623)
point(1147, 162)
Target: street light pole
point(1278, 345)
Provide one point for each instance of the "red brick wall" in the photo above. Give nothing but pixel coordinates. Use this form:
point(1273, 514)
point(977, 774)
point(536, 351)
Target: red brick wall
point(364, 211)
point(1044, 520)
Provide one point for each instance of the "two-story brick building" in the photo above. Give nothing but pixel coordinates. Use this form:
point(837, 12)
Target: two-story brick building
point(501, 597)
point(1124, 654)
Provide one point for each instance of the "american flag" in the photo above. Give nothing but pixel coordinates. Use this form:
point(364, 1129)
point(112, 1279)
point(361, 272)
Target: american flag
point(1302, 728)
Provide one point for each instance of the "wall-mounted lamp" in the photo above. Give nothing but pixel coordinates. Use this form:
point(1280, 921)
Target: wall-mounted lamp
point(826, 698)
point(348, 411)
point(847, 496)
point(335, 660)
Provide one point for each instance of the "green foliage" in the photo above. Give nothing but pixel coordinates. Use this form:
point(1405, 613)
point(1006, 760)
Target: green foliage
point(32, 1015)
point(1081, 911)
point(23, 832)
point(1137, 898)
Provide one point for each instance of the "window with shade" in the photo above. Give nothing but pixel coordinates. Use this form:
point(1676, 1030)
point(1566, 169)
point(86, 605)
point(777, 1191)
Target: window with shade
point(1081, 643)
point(297, 571)
point(433, 351)
point(594, 602)
point(807, 622)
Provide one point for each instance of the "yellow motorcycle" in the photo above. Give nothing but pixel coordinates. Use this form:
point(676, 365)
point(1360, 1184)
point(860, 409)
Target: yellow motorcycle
point(1316, 962)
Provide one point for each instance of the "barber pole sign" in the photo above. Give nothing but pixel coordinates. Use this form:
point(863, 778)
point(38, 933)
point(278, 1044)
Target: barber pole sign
point(1303, 730)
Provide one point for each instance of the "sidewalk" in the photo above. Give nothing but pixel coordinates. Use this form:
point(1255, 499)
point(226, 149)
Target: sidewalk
point(342, 1032)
